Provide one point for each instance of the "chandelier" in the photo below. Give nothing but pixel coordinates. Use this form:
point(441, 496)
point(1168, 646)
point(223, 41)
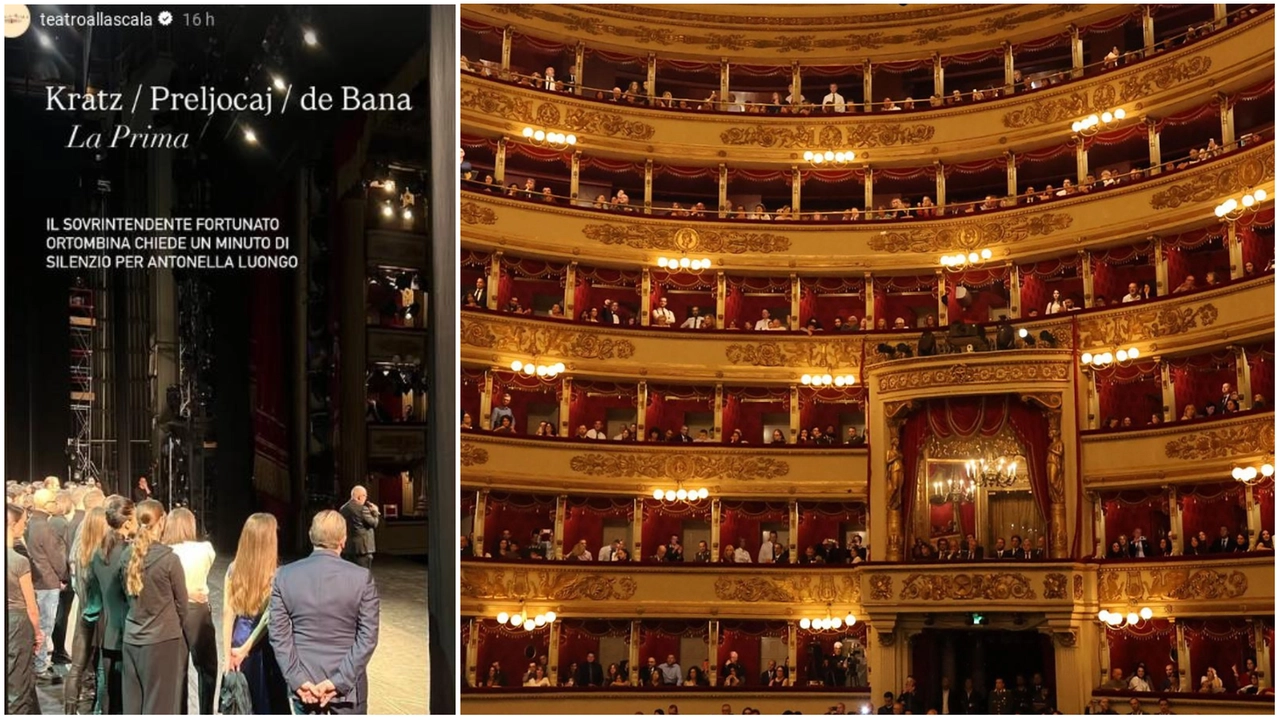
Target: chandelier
point(550, 138)
point(819, 158)
point(996, 473)
point(521, 618)
point(828, 622)
point(1121, 358)
point(529, 369)
point(952, 491)
point(1115, 619)
point(1231, 209)
point(821, 380)
point(1252, 475)
point(1095, 123)
point(960, 260)
point(680, 494)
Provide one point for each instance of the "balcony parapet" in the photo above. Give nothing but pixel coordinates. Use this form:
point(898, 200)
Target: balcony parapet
point(1176, 452)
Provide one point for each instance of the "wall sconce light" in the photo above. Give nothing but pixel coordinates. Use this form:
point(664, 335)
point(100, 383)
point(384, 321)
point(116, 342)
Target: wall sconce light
point(1231, 209)
point(550, 138)
point(1095, 123)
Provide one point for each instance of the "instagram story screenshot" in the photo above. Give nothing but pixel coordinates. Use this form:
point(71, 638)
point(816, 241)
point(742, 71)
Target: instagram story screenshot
point(229, 365)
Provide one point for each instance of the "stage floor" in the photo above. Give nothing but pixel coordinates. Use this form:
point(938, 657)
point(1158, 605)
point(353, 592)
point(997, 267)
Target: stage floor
point(398, 682)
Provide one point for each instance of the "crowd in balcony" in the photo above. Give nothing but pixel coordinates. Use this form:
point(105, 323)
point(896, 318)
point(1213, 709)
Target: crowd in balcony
point(1139, 546)
point(1246, 680)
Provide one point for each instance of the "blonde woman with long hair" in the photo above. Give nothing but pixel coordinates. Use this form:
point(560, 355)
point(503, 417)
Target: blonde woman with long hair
point(246, 597)
point(155, 649)
point(197, 556)
point(81, 680)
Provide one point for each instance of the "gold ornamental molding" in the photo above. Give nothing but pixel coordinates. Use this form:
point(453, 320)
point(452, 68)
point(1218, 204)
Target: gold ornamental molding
point(967, 586)
point(824, 588)
point(491, 101)
point(603, 123)
point(473, 455)
point(686, 239)
point(971, 235)
point(1125, 88)
point(680, 467)
point(1145, 324)
point(800, 137)
point(1055, 586)
point(764, 32)
point(543, 339)
point(1247, 174)
point(967, 374)
point(1184, 583)
point(881, 587)
point(822, 354)
point(1077, 587)
point(485, 584)
point(476, 214)
point(1257, 437)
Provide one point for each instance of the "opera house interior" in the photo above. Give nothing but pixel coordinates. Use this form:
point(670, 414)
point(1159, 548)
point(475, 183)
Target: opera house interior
point(1009, 446)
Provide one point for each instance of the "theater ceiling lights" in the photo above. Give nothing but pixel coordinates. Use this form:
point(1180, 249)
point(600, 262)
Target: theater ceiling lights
point(543, 371)
point(522, 619)
point(960, 261)
point(822, 380)
point(1254, 474)
point(1115, 619)
point(829, 158)
point(828, 622)
point(680, 495)
point(683, 263)
point(1095, 123)
point(1121, 358)
point(550, 138)
point(1232, 209)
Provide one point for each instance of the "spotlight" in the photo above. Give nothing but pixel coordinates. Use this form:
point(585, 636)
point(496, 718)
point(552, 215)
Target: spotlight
point(250, 136)
point(904, 350)
point(386, 210)
point(1047, 338)
point(310, 38)
point(278, 82)
point(46, 42)
point(407, 214)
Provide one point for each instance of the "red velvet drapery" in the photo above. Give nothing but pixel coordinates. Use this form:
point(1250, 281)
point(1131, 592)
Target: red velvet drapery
point(1115, 268)
point(591, 401)
point(683, 290)
point(579, 637)
point(660, 638)
point(521, 514)
point(1209, 506)
point(513, 648)
point(1128, 509)
point(1262, 371)
point(987, 289)
point(526, 392)
point(741, 521)
point(972, 417)
point(1265, 492)
point(743, 637)
point(807, 640)
point(822, 407)
point(829, 298)
point(1151, 643)
point(820, 521)
point(662, 519)
point(1258, 239)
point(1196, 253)
point(1037, 282)
point(1134, 392)
point(1218, 643)
point(669, 404)
point(746, 297)
point(596, 286)
point(584, 520)
point(744, 409)
point(1198, 379)
point(472, 388)
point(905, 297)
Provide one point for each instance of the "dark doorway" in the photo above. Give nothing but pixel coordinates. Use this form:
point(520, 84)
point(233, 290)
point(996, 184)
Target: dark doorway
point(981, 654)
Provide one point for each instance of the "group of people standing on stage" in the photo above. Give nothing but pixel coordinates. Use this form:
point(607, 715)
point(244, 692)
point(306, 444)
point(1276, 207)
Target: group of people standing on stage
point(143, 638)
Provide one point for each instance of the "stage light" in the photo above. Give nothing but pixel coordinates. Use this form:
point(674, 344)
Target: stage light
point(309, 37)
point(407, 214)
point(278, 82)
point(250, 136)
point(386, 210)
point(46, 42)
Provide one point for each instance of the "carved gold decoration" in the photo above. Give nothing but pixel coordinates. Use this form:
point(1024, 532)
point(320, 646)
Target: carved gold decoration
point(1145, 324)
point(793, 353)
point(881, 587)
point(476, 214)
point(1138, 84)
point(1066, 638)
point(473, 455)
point(1244, 174)
point(540, 339)
point(1031, 371)
point(603, 123)
point(679, 26)
point(971, 235)
point(894, 475)
point(1055, 586)
point(657, 237)
point(887, 639)
point(798, 137)
point(1255, 437)
point(1077, 587)
point(679, 467)
point(1178, 583)
point(499, 104)
point(802, 589)
point(485, 584)
point(967, 586)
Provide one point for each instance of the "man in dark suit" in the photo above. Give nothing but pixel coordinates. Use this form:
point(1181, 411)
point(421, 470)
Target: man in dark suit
point(1139, 545)
point(733, 664)
point(1001, 552)
point(590, 674)
point(1226, 395)
point(1223, 543)
point(767, 674)
point(910, 698)
point(971, 550)
point(362, 517)
point(684, 436)
point(481, 293)
point(1039, 552)
point(971, 701)
point(950, 700)
point(887, 707)
point(324, 624)
point(1016, 550)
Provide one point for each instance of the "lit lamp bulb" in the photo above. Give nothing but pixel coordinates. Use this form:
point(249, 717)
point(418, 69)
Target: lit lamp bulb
point(1132, 618)
point(502, 618)
point(1237, 473)
point(828, 156)
point(1103, 615)
point(1145, 613)
point(973, 257)
point(850, 620)
point(671, 496)
point(540, 620)
point(702, 493)
point(804, 622)
point(1106, 117)
point(559, 367)
point(1122, 356)
point(571, 139)
point(516, 365)
point(527, 132)
point(662, 262)
point(1114, 618)
point(386, 210)
point(835, 623)
point(407, 214)
point(817, 159)
point(805, 379)
point(1120, 113)
point(1075, 126)
point(684, 262)
point(517, 620)
point(839, 381)
point(826, 379)
point(551, 617)
point(657, 494)
point(1247, 201)
point(1022, 333)
point(528, 368)
point(986, 254)
point(278, 82)
point(681, 494)
point(1259, 194)
point(808, 155)
point(1268, 470)
point(530, 625)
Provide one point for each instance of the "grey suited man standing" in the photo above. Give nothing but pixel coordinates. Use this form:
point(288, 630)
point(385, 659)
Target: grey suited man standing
point(362, 518)
point(324, 624)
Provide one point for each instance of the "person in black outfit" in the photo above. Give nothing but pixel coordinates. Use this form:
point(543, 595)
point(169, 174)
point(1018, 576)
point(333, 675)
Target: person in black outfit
point(154, 676)
point(46, 543)
point(106, 579)
point(141, 491)
point(971, 701)
point(22, 624)
point(910, 697)
point(480, 294)
point(362, 517)
point(590, 674)
point(1223, 543)
point(887, 707)
point(733, 664)
point(71, 518)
